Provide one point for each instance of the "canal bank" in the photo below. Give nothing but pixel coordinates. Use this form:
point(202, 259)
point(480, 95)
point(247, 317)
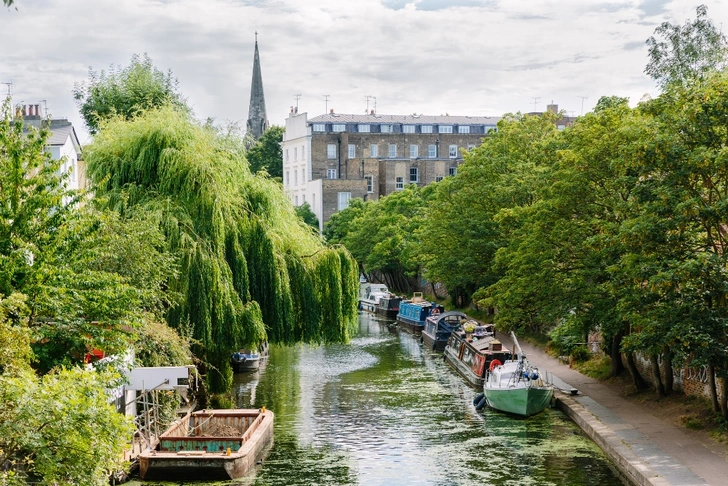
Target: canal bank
point(647, 449)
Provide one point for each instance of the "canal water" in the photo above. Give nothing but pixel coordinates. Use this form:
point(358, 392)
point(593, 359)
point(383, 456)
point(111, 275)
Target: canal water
point(383, 411)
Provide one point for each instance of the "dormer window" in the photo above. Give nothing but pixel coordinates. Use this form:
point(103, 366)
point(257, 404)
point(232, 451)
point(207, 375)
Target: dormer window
point(386, 128)
point(426, 128)
point(338, 127)
point(445, 129)
point(319, 127)
point(408, 129)
point(363, 128)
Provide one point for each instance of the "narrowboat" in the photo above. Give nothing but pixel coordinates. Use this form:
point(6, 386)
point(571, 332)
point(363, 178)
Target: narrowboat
point(388, 306)
point(517, 387)
point(472, 355)
point(210, 445)
point(438, 328)
point(412, 313)
point(248, 360)
point(370, 294)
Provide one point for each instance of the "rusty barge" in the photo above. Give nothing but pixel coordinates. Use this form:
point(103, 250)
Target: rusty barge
point(210, 444)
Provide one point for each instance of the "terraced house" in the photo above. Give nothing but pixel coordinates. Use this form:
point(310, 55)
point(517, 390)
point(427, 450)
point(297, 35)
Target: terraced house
point(332, 158)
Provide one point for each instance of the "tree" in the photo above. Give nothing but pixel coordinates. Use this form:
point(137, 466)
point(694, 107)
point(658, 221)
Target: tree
point(249, 268)
point(500, 174)
point(125, 92)
point(683, 54)
point(8, 3)
point(266, 154)
point(307, 216)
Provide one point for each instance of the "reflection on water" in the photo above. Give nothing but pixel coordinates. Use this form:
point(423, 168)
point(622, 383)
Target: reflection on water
point(381, 411)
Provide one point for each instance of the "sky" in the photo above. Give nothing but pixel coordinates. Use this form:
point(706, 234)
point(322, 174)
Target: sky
point(433, 57)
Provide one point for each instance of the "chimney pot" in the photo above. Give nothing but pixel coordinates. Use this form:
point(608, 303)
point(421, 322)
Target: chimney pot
point(372, 112)
point(331, 111)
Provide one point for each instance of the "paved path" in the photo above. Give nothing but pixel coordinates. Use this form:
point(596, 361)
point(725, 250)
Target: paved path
point(677, 458)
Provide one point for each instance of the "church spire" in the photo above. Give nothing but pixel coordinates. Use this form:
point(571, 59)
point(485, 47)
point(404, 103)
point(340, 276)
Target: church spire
point(257, 118)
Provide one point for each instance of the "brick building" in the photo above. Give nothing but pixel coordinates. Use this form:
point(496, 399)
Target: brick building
point(332, 158)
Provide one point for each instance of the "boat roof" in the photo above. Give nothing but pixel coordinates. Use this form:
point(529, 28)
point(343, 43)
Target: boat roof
point(439, 317)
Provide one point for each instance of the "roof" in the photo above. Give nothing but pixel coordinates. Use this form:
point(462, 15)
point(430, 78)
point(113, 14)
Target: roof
point(406, 119)
point(60, 129)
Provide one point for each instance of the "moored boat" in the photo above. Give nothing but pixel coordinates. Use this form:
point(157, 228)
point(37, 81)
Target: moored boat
point(210, 445)
point(517, 387)
point(473, 355)
point(388, 306)
point(412, 313)
point(370, 294)
point(438, 328)
point(248, 360)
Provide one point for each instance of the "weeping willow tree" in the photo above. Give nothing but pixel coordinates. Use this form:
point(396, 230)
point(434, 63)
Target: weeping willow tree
point(250, 270)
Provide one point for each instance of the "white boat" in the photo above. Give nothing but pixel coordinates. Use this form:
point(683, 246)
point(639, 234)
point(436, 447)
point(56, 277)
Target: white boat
point(517, 387)
point(370, 294)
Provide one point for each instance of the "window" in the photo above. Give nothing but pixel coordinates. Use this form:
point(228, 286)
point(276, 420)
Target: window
point(408, 128)
point(286, 155)
point(453, 151)
point(560, 127)
point(413, 152)
point(352, 151)
point(414, 174)
point(489, 128)
point(296, 203)
point(464, 129)
point(295, 177)
point(438, 178)
point(399, 183)
point(331, 151)
point(392, 150)
point(338, 127)
point(288, 178)
point(303, 178)
point(426, 128)
point(331, 173)
point(303, 153)
point(374, 150)
point(453, 171)
point(370, 183)
point(319, 127)
point(470, 147)
point(363, 128)
point(344, 200)
point(295, 153)
point(445, 129)
point(432, 151)
point(386, 128)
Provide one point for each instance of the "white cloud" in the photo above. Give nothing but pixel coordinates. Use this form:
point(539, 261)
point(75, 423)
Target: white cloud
point(475, 57)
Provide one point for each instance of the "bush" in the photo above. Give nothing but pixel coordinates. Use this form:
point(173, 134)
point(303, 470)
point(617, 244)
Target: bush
point(579, 354)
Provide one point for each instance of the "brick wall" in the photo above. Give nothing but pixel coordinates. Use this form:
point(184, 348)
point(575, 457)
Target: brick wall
point(691, 381)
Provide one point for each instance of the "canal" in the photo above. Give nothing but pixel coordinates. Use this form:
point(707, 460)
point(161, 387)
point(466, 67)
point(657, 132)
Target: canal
point(383, 411)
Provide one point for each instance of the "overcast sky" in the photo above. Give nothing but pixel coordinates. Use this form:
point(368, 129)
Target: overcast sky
point(461, 57)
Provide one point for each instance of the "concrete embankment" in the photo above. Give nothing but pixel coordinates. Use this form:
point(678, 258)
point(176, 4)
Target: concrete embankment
point(647, 449)
point(629, 463)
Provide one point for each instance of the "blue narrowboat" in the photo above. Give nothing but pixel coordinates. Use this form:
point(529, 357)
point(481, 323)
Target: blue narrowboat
point(412, 313)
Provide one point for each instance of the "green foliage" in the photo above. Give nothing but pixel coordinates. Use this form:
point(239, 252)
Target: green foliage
point(156, 344)
point(266, 154)
point(307, 216)
point(683, 54)
point(60, 429)
point(125, 92)
point(580, 354)
point(240, 246)
point(597, 367)
point(381, 235)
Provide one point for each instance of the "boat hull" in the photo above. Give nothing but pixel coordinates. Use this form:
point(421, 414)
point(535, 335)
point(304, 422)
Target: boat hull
point(410, 326)
point(207, 458)
point(463, 370)
point(251, 364)
point(367, 305)
point(524, 401)
point(434, 343)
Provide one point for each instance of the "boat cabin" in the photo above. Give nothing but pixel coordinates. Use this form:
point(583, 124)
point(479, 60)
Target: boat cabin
point(438, 328)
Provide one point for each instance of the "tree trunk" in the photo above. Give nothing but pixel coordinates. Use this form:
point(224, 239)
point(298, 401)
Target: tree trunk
point(616, 355)
point(667, 365)
point(659, 387)
point(434, 290)
point(724, 397)
point(713, 388)
point(637, 379)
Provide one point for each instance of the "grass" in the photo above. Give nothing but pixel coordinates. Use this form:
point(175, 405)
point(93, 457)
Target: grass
point(597, 367)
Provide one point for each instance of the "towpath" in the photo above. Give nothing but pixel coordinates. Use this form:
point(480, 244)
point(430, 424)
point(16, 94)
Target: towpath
point(658, 452)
